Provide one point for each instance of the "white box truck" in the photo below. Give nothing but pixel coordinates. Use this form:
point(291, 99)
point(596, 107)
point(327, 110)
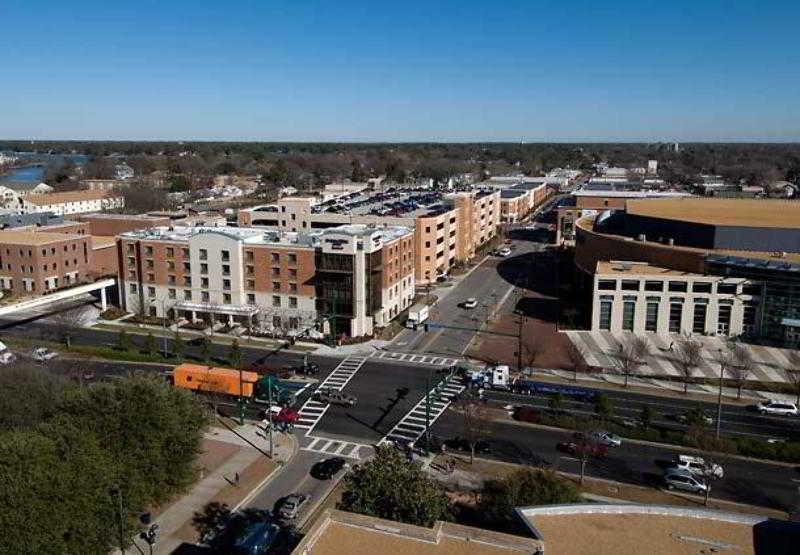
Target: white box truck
point(417, 314)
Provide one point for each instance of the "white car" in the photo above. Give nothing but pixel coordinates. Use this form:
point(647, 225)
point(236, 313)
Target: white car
point(43, 354)
point(7, 357)
point(697, 466)
point(606, 438)
point(505, 251)
point(777, 408)
point(472, 302)
point(686, 481)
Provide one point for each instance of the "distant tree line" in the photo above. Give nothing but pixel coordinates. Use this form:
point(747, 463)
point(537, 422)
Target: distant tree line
point(192, 165)
point(78, 465)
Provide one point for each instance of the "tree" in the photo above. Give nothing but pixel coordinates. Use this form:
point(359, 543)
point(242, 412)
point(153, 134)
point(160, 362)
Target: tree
point(67, 323)
point(689, 358)
point(630, 353)
point(235, 355)
point(577, 358)
point(30, 395)
point(205, 349)
point(603, 407)
point(150, 345)
point(523, 488)
point(178, 346)
point(474, 422)
point(124, 342)
point(647, 416)
point(388, 486)
point(710, 473)
point(531, 349)
point(741, 367)
point(792, 372)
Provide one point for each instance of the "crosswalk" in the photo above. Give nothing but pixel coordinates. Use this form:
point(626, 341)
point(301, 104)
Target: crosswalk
point(312, 411)
point(598, 346)
point(412, 425)
point(336, 448)
point(415, 358)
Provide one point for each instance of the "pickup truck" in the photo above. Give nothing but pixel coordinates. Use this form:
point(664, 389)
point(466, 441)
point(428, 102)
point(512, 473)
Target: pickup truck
point(334, 397)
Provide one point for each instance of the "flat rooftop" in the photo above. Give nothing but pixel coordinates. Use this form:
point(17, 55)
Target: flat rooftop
point(764, 213)
point(623, 268)
point(36, 238)
point(341, 533)
point(651, 529)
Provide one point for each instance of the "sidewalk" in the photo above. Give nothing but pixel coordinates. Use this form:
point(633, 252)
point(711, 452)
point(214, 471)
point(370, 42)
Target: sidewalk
point(227, 453)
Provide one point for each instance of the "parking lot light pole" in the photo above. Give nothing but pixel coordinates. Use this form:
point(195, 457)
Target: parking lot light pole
point(428, 413)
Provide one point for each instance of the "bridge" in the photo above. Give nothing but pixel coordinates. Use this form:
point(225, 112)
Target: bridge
point(61, 295)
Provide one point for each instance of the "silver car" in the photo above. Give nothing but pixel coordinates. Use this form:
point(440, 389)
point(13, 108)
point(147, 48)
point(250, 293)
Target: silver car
point(684, 481)
point(290, 507)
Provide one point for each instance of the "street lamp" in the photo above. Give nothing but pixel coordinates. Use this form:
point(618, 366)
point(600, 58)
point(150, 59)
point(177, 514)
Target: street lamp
point(722, 365)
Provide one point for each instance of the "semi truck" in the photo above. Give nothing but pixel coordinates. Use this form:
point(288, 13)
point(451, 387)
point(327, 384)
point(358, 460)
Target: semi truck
point(229, 381)
point(493, 376)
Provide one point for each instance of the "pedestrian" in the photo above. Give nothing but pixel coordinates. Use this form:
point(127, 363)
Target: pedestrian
point(671, 346)
point(236, 479)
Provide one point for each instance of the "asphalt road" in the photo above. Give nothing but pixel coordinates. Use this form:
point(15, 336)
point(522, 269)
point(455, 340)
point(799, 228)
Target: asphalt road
point(736, 420)
point(756, 483)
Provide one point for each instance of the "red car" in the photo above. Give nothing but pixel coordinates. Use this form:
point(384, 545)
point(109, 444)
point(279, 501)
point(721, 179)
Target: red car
point(283, 415)
point(578, 449)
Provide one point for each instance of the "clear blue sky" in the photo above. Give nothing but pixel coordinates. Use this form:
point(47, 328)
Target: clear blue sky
point(410, 70)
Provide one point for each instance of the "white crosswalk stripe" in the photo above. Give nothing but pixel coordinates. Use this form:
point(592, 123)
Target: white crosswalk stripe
point(415, 358)
point(412, 425)
point(598, 346)
point(312, 411)
point(337, 448)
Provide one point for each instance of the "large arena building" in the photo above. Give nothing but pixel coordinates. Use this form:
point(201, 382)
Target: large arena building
point(726, 267)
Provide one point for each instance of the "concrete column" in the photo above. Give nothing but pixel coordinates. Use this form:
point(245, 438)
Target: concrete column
point(103, 302)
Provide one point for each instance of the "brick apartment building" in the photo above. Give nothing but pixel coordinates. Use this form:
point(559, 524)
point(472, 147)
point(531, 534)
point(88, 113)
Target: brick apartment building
point(444, 234)
point(352, 278)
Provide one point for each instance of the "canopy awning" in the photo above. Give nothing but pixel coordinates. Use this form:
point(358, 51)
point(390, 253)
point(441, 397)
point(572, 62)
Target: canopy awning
point(232, 309)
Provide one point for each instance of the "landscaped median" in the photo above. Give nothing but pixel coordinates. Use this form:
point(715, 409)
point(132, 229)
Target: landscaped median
point(697, 437)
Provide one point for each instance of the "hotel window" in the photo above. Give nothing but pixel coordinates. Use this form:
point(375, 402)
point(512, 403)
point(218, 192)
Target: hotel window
point(724, 318)
point(251, 299)
point(276, 321)
point(170, 252)
point(130, 248)
point(251, 284)
point(749, 317)
point(203, 254)
point(132, 275)
point(699, 315)
point(276, 271)
point(292, 302)
point(276, 301)
point(292, 273)
point(226, 256)
point(276, 257)
point(701, 287)
point(276, 285)
point(629, 285)
point(170, 265)
point(250, 270)
point(248, 255)
point(132, 288)
point(151, 292)
point(606, 305)
point(147, 250)
point(727, 288)
point(292, 288)
point(226, 269)
point(628, 313)
point(204, 283)
point(677, 286)
point(226, 284)
point(187, 294)
point(187, 281)
point(187, 267)
point(151, 277)
point(653, 285)
point(675, 314)
point(203, 268)
point(171, 293)
point(150, 264)
point(204, 296)
point(185, 253)
point(292, 258)
point(226, 298)
point(171, 280)
point(651, 314)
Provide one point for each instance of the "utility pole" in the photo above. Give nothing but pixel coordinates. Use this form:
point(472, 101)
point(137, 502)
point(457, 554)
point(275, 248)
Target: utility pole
point(428, 413)
point(118, 493)
point(269, 417)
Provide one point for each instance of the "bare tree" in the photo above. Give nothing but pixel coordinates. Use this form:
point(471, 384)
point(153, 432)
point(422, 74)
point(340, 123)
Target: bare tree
point(630, 353)
point(530, 350)
point(577, 359)
point(710, 472)
point(792, 372)
point(475, 424)
point(67, 323)
point(741, 367)
point(689, 358)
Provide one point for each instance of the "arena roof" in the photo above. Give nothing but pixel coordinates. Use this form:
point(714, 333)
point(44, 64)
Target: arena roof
point(757, 213)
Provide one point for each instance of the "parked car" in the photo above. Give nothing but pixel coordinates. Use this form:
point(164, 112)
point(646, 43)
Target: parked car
point(696, 466)
point(504, 252)
point(43, 354)
point(290, 507)
point(307, 369)
point(684, 481)
point(579, 448)
point(695, 416)
point(777, 408)
point(470, 303)
point(7, 357)
point(334, 397)
point(327, 469)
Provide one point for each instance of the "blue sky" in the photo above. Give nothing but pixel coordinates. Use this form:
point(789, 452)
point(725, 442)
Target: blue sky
point(434, 70)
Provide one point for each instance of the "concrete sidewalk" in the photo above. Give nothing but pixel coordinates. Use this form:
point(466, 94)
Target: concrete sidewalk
point(248, 462)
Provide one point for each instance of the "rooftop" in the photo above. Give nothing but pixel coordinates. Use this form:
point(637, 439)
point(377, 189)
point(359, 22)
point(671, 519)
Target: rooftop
point(765, 213)
point(69, 196)
point(628, 193)
point(634, 268)
point(652, 529)
point(35, 238)
point(337, 532)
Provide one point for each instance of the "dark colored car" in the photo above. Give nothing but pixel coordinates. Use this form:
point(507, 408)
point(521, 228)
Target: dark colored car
point(327, 469)
point(307, 369)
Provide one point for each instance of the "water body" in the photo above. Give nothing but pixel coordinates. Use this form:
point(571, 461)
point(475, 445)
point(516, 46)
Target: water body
point(35, 174)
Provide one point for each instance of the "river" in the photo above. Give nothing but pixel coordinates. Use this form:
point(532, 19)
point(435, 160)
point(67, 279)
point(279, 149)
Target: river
point(35, 173)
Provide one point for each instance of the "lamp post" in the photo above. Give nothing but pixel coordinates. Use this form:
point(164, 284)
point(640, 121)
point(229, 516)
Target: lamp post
point(116, 492)
point(722, 365)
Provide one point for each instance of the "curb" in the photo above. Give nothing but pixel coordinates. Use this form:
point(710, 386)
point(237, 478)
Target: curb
point(281, 466)
point(653, 444)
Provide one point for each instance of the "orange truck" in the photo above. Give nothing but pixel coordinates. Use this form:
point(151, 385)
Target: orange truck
point(209, 379)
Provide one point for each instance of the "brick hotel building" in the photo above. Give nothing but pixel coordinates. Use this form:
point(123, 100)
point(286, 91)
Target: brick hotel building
point(352, 278)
